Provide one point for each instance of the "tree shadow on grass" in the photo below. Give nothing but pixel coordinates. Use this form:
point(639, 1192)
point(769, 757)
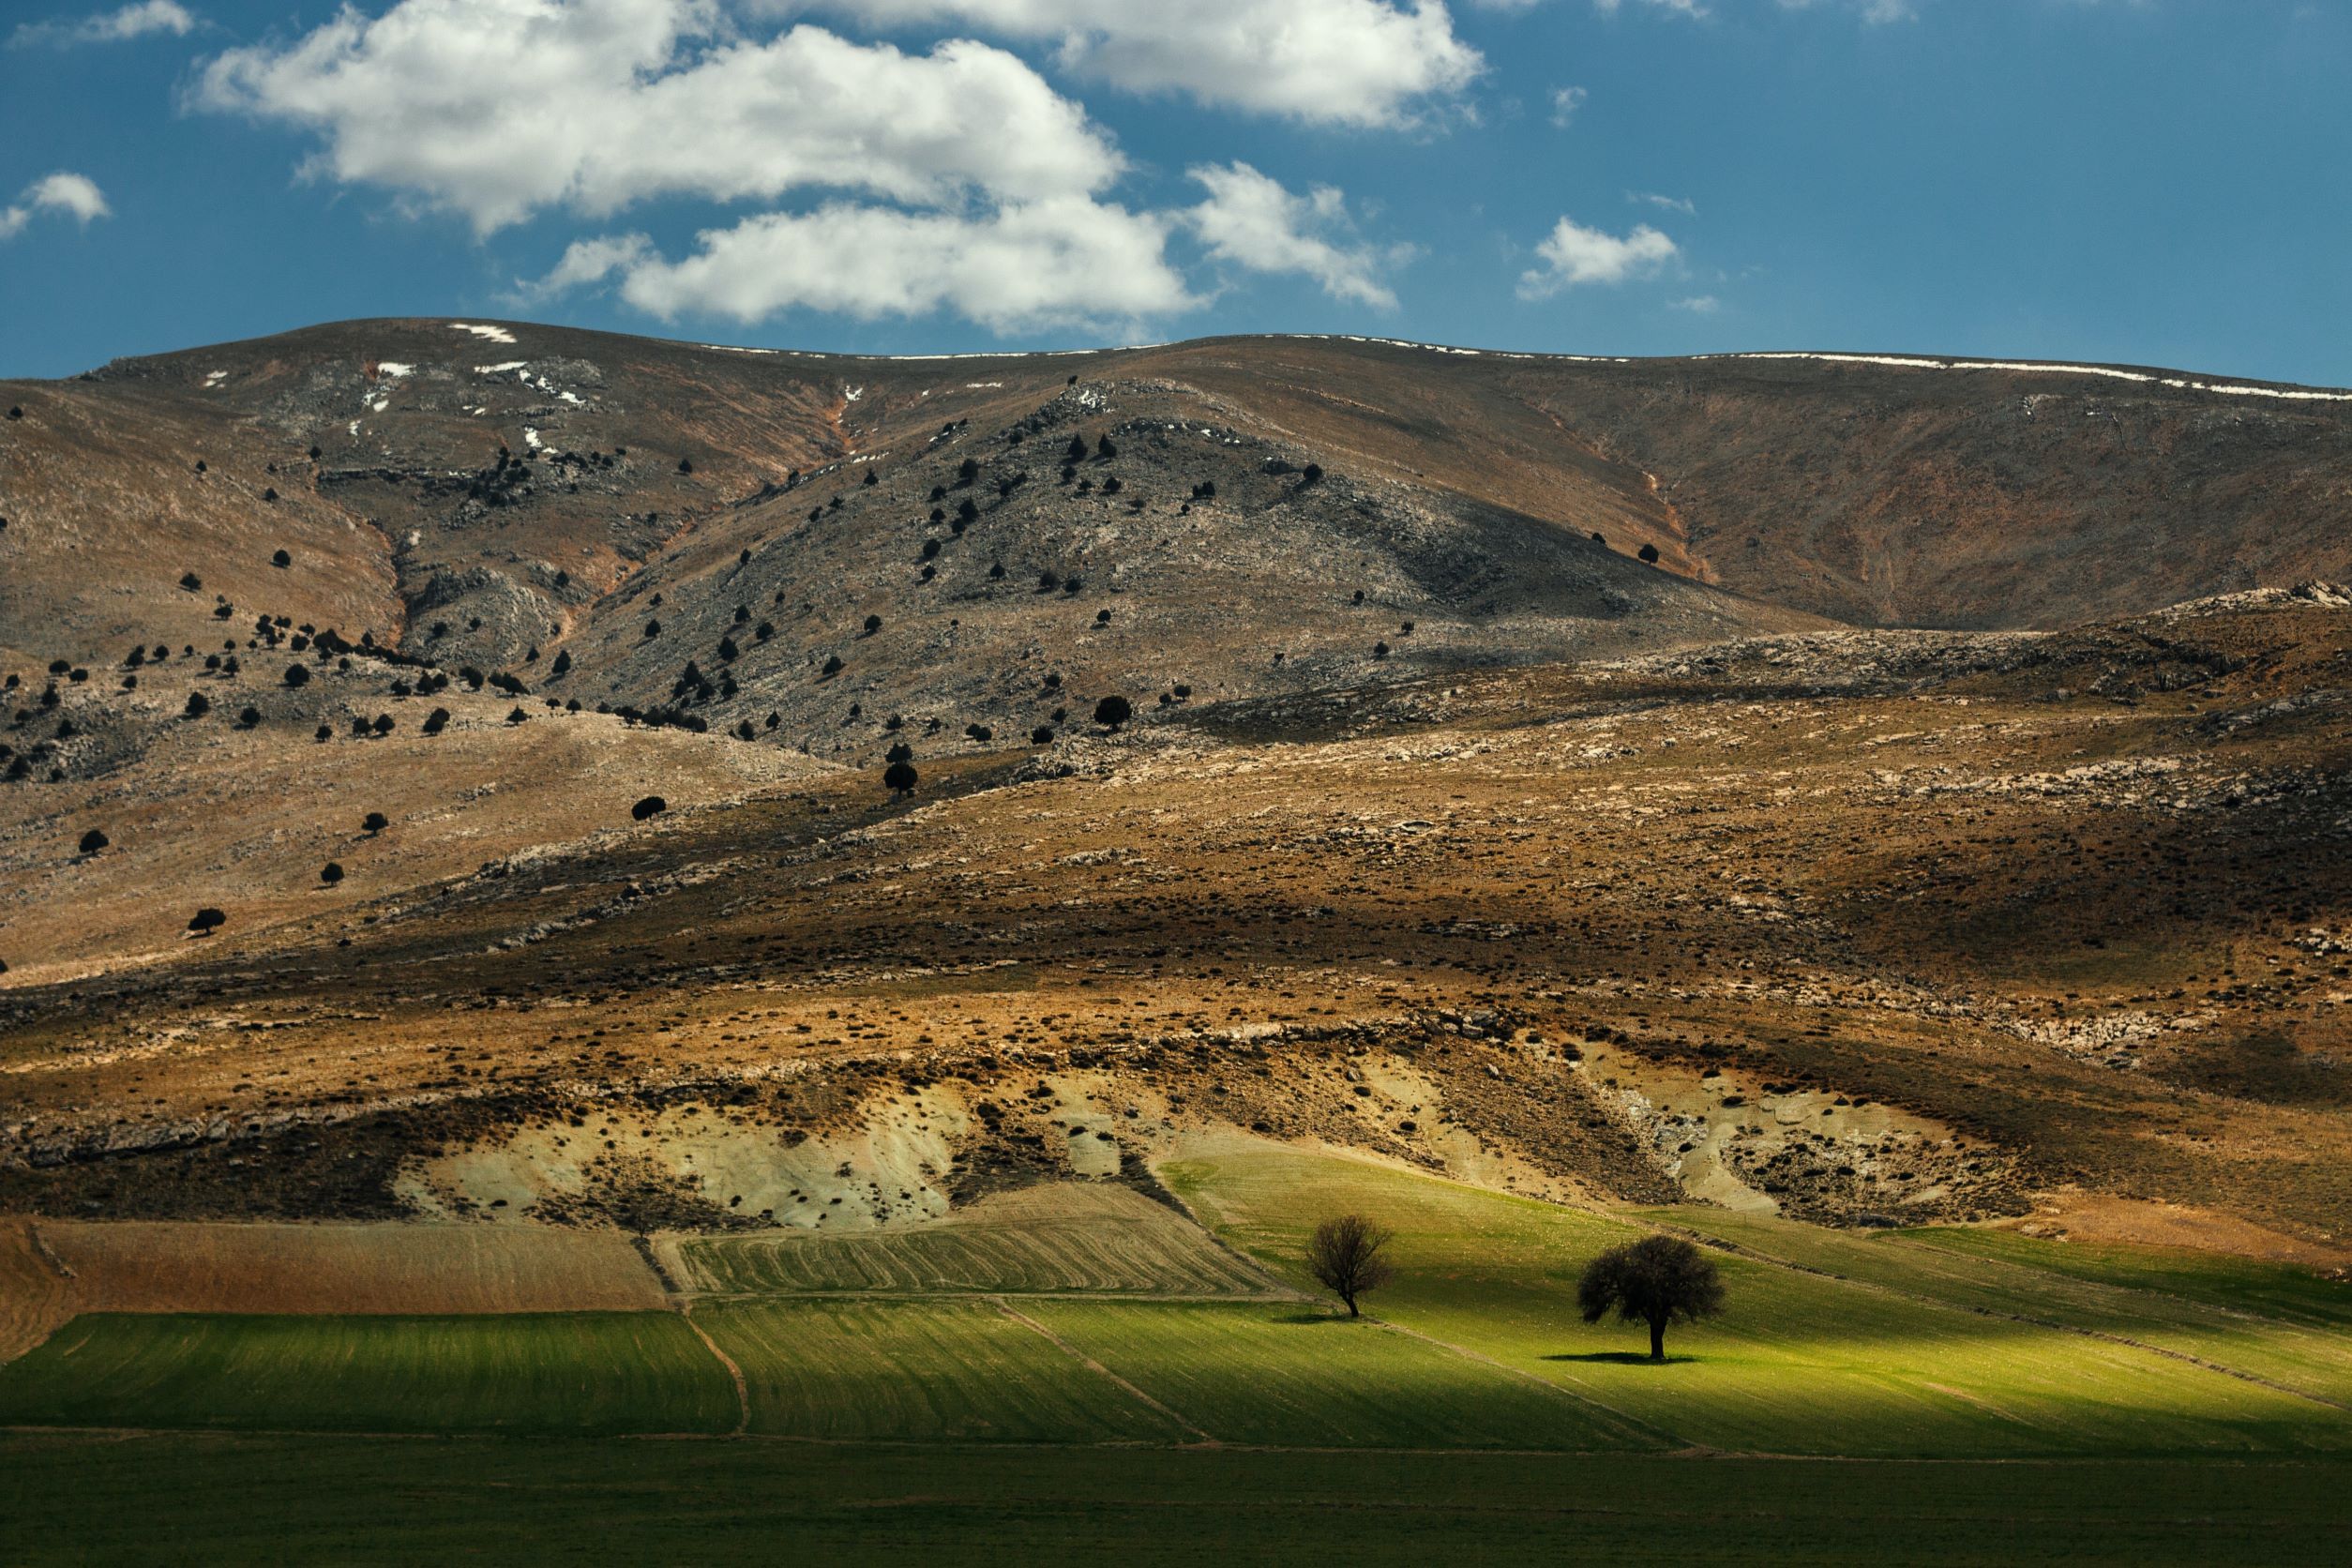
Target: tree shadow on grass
point(1620, 1358)
point(1318, 1318)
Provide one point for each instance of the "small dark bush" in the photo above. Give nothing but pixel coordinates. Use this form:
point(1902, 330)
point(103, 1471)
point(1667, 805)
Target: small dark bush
point(650, 807)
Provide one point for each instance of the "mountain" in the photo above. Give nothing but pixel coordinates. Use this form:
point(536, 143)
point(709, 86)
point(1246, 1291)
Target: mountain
point(1924, 798)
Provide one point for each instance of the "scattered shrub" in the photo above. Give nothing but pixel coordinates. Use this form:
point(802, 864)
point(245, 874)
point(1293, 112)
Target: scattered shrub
point(650, 807)
point(297, 675)
point(900, 778)
point(93, 841)
point(374, 821)
point(331, 873)
point(206, 921)
point(1113, 712)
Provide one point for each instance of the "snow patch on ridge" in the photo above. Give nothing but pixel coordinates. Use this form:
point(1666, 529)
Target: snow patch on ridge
point(2179, 383)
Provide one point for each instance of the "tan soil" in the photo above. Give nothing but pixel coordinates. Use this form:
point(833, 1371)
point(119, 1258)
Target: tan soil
point(166, 1266)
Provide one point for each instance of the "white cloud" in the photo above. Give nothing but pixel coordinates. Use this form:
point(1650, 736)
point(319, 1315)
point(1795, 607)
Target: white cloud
point(1361, 63)
point(500, 108)
point(77, 194)
point(1250, 220)
point(1574, 254)
point(1061, 260)
point(590, 261)
point(1699, 305)
point(1565, 102)
point(1682, 205)
point(131, 22)
point(1870, 10)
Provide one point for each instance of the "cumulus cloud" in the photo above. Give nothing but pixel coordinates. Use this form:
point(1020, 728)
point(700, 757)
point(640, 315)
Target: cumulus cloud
point(1572, 254)
point(1250, 220)
point(1363, 63)
point(1565, 102)
point(76, 194)
point(497, 109)
point(131, 22)
point(1064, 260)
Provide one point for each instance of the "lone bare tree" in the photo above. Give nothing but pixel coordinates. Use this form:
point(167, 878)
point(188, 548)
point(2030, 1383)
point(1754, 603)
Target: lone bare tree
point(1344, 1255)
point(1656, 1281)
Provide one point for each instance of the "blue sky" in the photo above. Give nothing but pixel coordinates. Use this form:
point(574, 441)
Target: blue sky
point(2155, 182)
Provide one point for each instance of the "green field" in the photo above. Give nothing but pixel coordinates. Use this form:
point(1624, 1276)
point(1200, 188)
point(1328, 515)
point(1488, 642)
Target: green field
point(2282, 1324)
point(1280, 1375)
point(570, 1372)
point(1093, 1240)
point(1801, 1364)
point(72, 1499)
point(920, 1371)
point(1984, 1397)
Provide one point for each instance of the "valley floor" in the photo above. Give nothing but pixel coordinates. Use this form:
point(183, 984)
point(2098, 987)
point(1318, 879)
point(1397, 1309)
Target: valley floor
point(1083, 1371)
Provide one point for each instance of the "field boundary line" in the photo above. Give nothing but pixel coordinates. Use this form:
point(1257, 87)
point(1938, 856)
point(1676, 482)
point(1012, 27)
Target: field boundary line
point(1097, 1367)
point(1674, 1439)
point(47, 1254)
point(743, 1389)
point(2102, 1335)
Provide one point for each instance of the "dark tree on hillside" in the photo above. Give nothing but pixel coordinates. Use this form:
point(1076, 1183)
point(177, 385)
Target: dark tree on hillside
point(563, 662)
point(206, 921)
point(1657, 1280)
point(93, 841)
point(198, 704)
point(435, 720)
point(900, 778)
point(297, 675)
point(1113, 712)
point(652, 806)
point(331, 873)
point(1344, 1256)
point(374, 821)
point(1650, 553)
point(1078, 448)
point(873, 624)
point(281, 559)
